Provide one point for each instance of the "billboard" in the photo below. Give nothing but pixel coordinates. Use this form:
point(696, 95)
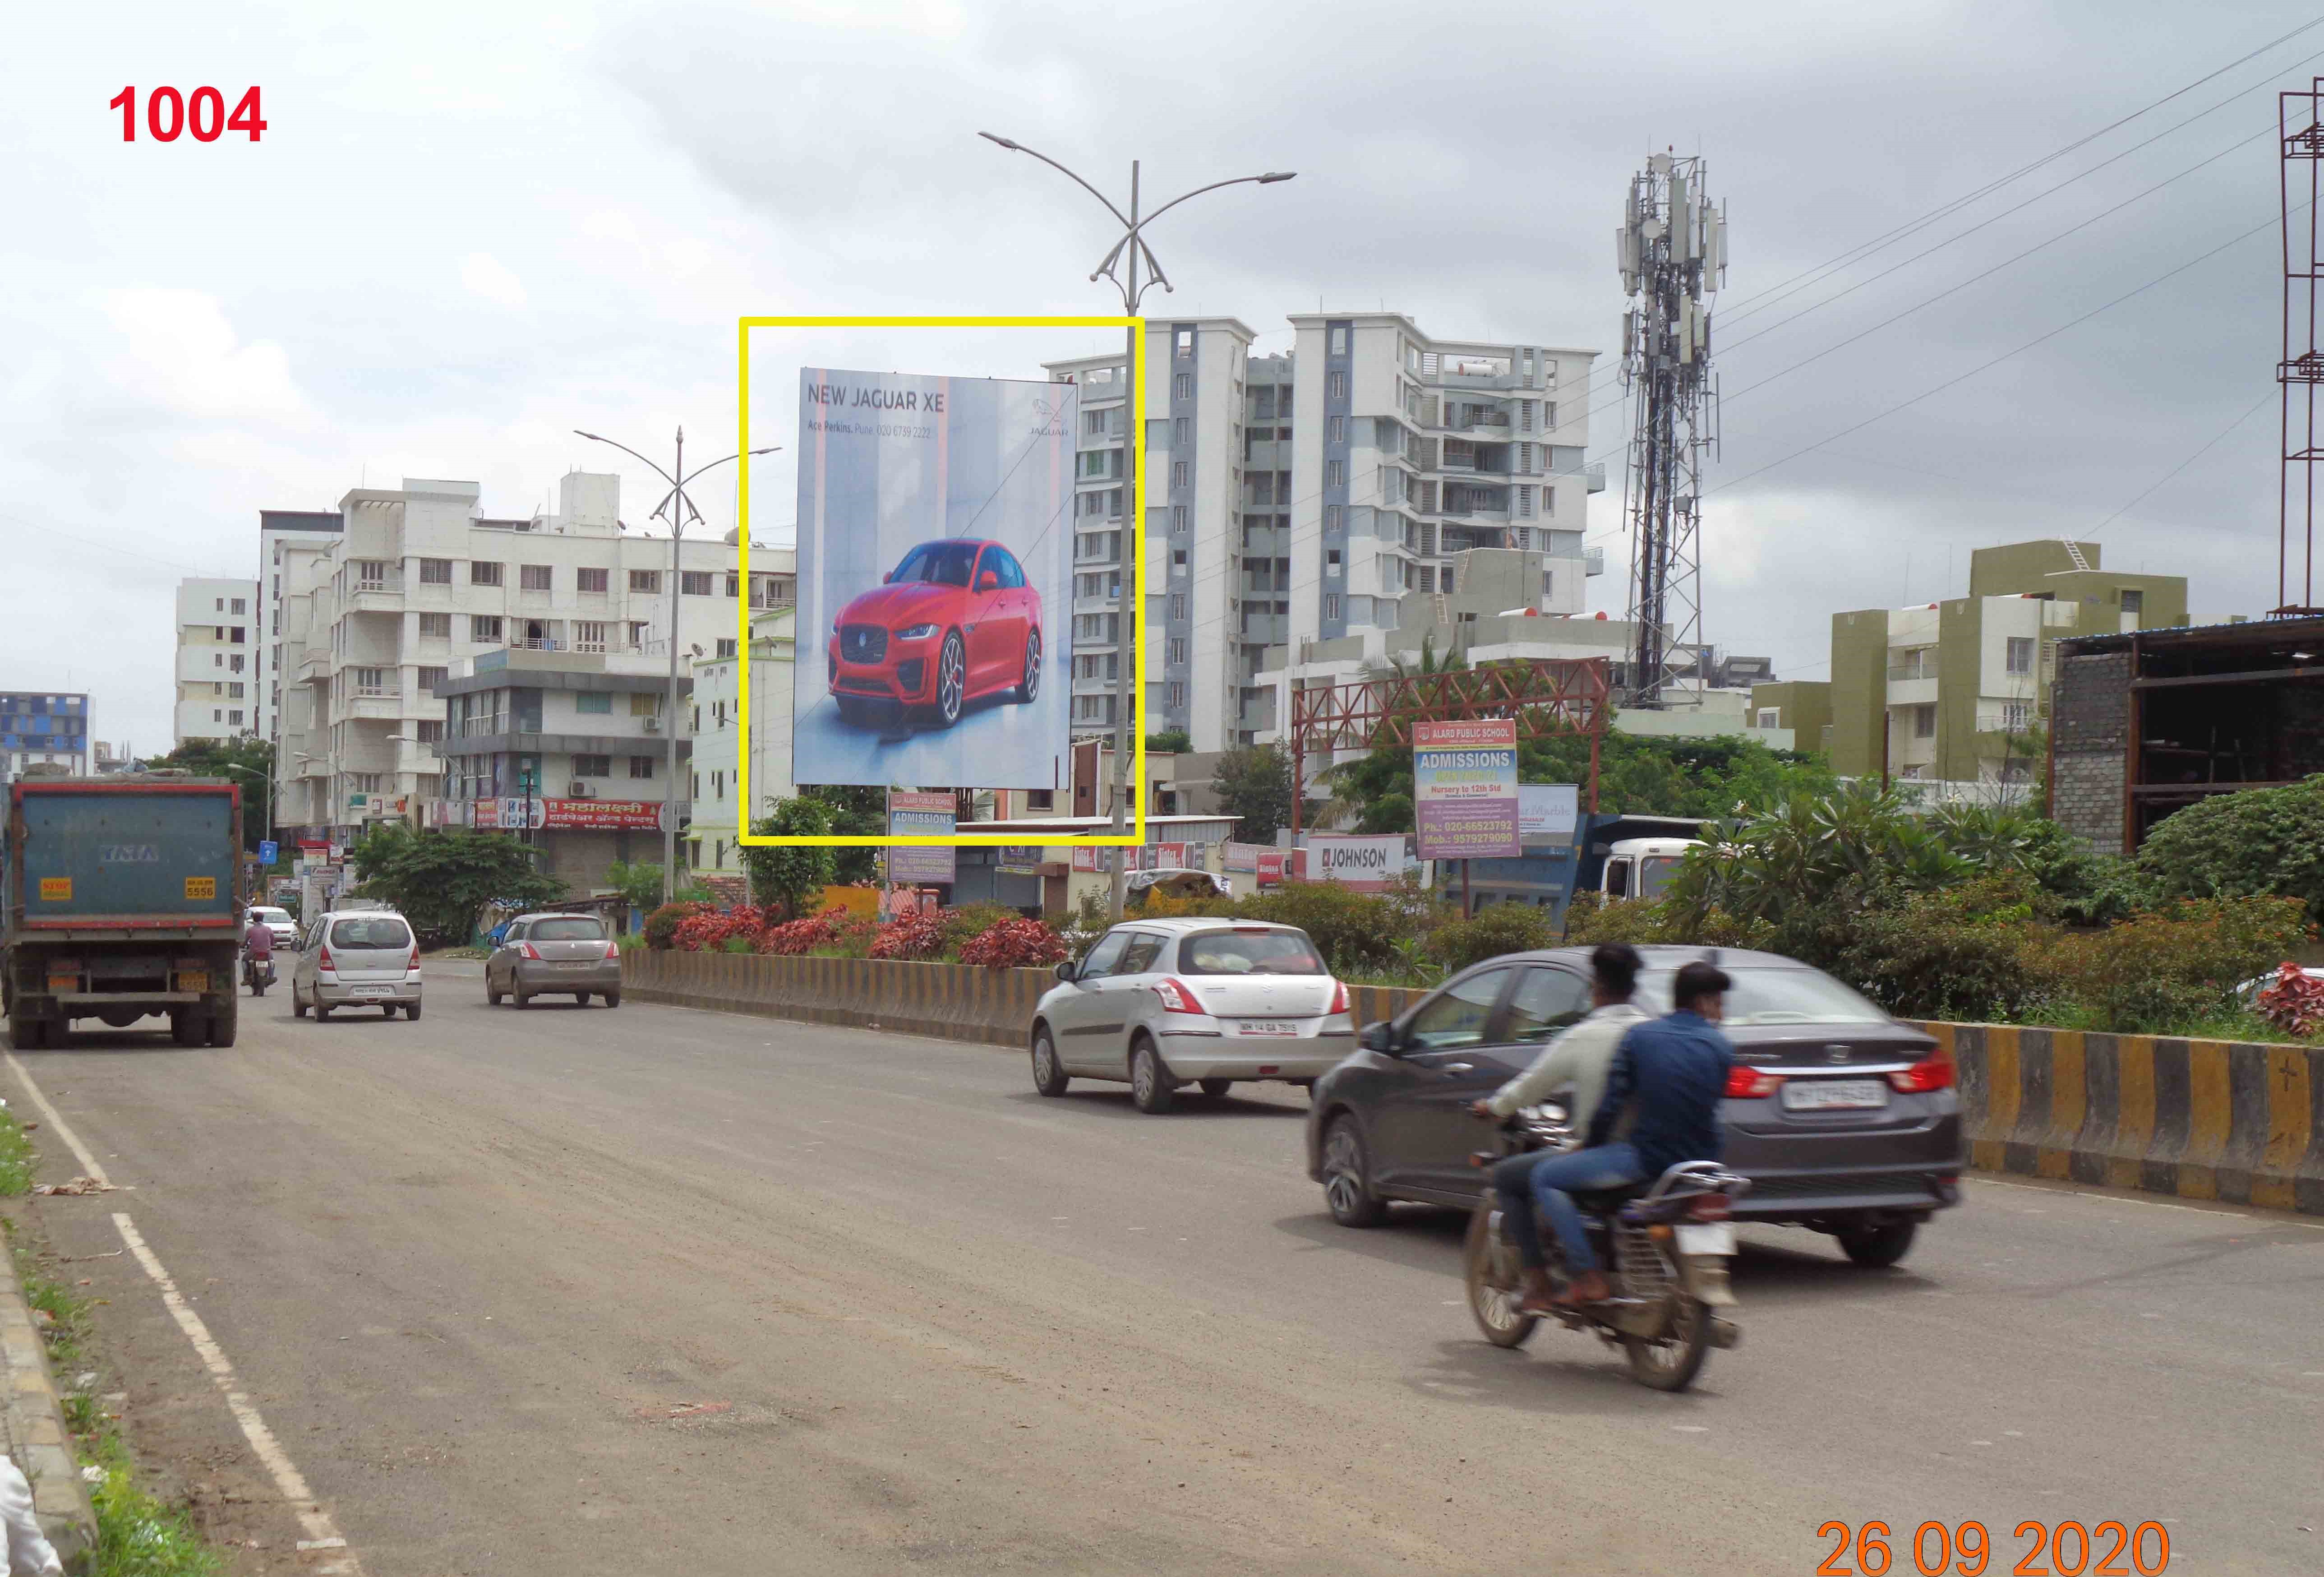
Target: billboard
point(924, 815)
point(1365, 863)
point(1464, 788)
point(934, 574)
point(1548, 813)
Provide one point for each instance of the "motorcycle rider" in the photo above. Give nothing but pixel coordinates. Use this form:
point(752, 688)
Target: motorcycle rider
point(1575, 1061)
point(257, 947)
point(1667, 1076)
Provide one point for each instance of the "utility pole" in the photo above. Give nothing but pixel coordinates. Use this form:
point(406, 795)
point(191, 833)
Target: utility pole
point(1128, 674)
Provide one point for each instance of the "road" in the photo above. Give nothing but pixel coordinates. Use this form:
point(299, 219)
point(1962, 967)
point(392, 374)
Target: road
point(647, 1289)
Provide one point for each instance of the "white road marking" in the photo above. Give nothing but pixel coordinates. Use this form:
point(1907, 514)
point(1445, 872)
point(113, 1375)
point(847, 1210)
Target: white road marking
point(88, 1166)
point(322, 1534)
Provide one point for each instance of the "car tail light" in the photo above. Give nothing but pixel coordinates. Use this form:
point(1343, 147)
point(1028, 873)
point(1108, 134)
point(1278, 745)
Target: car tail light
point(1711, 1207)
point(1932, 1072)
point(1176, 998)
point(324, 961)
point(528, 950)
point(613, 951)
point(1339, 997)
point(1745, 1082)
point(411, 965)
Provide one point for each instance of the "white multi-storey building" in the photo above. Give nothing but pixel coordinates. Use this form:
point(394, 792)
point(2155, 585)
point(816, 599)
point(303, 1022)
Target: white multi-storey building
point(217, 680)
point(418, 580)
point(1296, 499)
point(719, 815)
point(278, 527)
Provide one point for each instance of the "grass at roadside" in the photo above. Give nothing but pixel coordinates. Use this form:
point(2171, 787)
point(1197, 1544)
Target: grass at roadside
point(16, 1156)
point(137, 1535)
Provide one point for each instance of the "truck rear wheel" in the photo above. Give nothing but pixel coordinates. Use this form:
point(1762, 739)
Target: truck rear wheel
point(185, 1026)
point(27, 1034)
point(222, 1022)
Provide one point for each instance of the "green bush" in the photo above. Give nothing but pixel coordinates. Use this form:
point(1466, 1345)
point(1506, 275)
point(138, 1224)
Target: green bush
point(1503, 928)
point(1969, 952)
point(1357, 932)
point(2255, 843)
point(2163, 970)
point(662, 925)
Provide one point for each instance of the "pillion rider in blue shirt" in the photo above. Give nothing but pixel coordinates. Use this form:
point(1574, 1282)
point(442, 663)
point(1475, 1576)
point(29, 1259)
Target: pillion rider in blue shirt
point(1667, 1076)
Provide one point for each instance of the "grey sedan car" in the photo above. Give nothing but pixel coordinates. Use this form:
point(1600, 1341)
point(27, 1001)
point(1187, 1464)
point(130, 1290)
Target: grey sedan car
point(557, 955)
point(1167, 1003)
point(1846, 1121)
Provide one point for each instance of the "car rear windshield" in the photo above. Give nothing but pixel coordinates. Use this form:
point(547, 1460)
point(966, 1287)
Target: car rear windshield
point(1772, 996)
point(1248, 953)
point(581, 930)
point(939, 563)
point(381, 931)
point(271, 915)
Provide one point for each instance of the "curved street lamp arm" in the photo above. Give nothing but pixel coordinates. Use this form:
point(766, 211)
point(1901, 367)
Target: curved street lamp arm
point(698, 470)
point(1174, 202)
point(1077, 180)
point(596, 437)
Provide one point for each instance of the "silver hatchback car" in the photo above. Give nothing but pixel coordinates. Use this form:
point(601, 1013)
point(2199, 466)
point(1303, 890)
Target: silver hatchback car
point(357, 958)
point(1167, 1003)
point(557, 955)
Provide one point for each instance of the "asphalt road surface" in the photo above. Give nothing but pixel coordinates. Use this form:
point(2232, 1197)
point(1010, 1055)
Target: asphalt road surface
point(647, 1289)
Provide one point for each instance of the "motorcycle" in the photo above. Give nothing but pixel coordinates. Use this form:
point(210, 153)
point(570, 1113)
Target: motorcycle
point(1664, 1247)
point(258, 973)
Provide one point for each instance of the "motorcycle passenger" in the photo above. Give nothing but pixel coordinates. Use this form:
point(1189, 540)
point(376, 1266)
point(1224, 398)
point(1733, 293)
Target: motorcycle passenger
point(1668, 1076)
point(257, 947)
point(1575, 1061)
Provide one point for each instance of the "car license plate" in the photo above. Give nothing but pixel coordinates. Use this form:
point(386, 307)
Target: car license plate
point(1270, 1027)
point(375, 990)
point(1708, 1238)
point(1833, 1095)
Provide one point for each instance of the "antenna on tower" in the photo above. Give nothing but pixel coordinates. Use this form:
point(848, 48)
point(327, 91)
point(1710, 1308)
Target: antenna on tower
point(1672, 253)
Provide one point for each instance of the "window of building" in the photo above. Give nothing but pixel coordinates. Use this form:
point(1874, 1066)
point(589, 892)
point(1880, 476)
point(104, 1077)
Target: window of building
point(2020, 656)
point(1177, 653)
point(589, 580)
point(236, 666)
point(1181, 432)
point(484, 626)
point(371, 681)
point(2013, 717)
point(1767, 716)
point(645, 580)
point(1924, 721)
point(1336, 473)
point(1336, 386)
point(481, 573)
point(1182, 387)
point(217, 714)
point(363, 782)
point(592, 766)
point(727, 645)
point(1177, 473)
point(1525, 502)
point(239, 606)
point(1332, 606)
point(1177, 519)
point(645, 704)
point(694, 582)
point(2134, 601)
point(637, 635)
point(435, 572)
point(536, 577)
point(1177, 605)
point(429, 731)
point(600, 702)
point(430, 677)
point(239, 633)
point(435, 626)
point(1177, 559)
point(217, 604)
point(1177, 700)
point(1093, 423)
point(1339, 429)
point(1040, 799)
point(641, 766)
point(1548, 584)
point(1549, 413)
point(1340, 342)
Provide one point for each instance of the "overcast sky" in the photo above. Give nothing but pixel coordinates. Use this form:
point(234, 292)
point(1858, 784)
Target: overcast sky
point(470, 228)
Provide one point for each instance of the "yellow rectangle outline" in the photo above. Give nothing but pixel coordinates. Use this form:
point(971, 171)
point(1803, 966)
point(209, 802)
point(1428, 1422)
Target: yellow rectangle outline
point(1136, 838)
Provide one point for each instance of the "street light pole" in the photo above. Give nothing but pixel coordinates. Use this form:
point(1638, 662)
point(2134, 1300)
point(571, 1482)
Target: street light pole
point(679, 507)
point(1133, 244)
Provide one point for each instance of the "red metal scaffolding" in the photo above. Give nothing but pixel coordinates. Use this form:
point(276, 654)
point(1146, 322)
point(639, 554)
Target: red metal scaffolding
point(1549, 698)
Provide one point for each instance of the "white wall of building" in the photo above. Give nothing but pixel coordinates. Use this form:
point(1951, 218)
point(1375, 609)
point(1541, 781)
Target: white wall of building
point(216, 682)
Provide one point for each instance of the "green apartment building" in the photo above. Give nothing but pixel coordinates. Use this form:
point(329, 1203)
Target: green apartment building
point(1959, 690)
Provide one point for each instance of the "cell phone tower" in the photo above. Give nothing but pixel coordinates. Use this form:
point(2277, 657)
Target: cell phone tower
point(1672, 250)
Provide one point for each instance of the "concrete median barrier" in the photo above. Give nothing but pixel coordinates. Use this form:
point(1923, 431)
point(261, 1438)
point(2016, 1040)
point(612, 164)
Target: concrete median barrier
point(958, 1001)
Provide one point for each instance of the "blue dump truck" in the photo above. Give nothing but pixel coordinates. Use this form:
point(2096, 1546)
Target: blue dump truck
point(121, 898)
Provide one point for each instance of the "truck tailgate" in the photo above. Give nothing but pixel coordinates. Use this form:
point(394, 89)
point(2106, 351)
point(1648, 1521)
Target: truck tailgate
point(131, 855)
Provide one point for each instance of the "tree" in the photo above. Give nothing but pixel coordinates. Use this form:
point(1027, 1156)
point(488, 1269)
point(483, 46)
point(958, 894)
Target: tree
point(856, 811)
point(1254, 783)
point(2251, 843)
point(245, 761)
point(641, 883)
point(441, 880)
point(789, 876)
point(1169, 742)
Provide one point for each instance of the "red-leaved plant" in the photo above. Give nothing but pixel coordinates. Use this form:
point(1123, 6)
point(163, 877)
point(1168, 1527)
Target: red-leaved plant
point(921, 937)
point(1014, 944)
point(801, 937)
point(2294, 1002)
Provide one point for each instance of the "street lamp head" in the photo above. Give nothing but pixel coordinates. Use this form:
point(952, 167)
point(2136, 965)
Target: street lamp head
point(997, 137)
point(770, 449)
point(593, 438)
point(1272, 176)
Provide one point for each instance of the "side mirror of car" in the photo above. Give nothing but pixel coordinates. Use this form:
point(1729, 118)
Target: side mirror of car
point(1066, 970)
point(989, 581)
point(887, 577)
point(1379, 1037)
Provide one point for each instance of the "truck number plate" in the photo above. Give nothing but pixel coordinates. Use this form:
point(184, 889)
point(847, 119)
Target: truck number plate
point(193, 979)
point(56, 889)
point(201, 887)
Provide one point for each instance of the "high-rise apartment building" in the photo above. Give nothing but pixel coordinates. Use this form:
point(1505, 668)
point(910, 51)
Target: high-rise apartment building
point(44, 731)
point(278, 527)
point(218, 681)
point(373, 617)
point(1294, 499)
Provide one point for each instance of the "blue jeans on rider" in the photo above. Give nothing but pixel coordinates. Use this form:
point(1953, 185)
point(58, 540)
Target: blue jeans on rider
point(1606, 1167)
point(1512, 1178)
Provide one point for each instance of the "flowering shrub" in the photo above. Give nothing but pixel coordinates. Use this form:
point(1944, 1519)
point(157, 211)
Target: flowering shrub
point(911, 936)
point(803, 936)
point(661, 925)
point(710, 930)
point(2294, 1002)
point(1013, 943)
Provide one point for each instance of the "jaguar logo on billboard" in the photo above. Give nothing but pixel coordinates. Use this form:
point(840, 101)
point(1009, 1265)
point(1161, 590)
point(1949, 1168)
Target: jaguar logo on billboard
point(934, 551)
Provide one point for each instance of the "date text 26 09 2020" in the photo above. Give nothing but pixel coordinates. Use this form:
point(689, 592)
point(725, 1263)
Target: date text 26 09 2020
point(2064, 1549)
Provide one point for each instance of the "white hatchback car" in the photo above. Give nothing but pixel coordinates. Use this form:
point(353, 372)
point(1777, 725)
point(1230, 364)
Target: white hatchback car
point(1167, 1003)
point(358, 958)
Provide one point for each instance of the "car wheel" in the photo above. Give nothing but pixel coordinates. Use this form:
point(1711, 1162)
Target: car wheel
point(1216, 1089)
point(952, 679)
point(1347, 1176)
point(1149, 1081)
point(322, 1013)
point(298, 1008)
point(1878, 1246)
point(411, 1010)
point(613, 999)
point(523, 998)
point(1048, 1073)
point(1030, 686)
point(492, 993)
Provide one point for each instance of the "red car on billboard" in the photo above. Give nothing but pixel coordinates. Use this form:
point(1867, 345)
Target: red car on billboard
point(952, 622)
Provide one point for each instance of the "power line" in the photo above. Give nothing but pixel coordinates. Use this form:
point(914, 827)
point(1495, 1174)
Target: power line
point(2220, 437)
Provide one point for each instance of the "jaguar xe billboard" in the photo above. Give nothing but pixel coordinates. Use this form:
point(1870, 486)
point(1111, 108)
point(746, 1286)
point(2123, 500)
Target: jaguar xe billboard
point(934, 565)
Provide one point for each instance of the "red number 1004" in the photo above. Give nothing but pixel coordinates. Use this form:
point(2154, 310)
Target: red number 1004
point(169, 112)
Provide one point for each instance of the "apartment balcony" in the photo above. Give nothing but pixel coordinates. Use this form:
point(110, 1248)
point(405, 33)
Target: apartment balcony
point(371, 705)
point(1592, 476)
point(314, 665)
point(1594, 561)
